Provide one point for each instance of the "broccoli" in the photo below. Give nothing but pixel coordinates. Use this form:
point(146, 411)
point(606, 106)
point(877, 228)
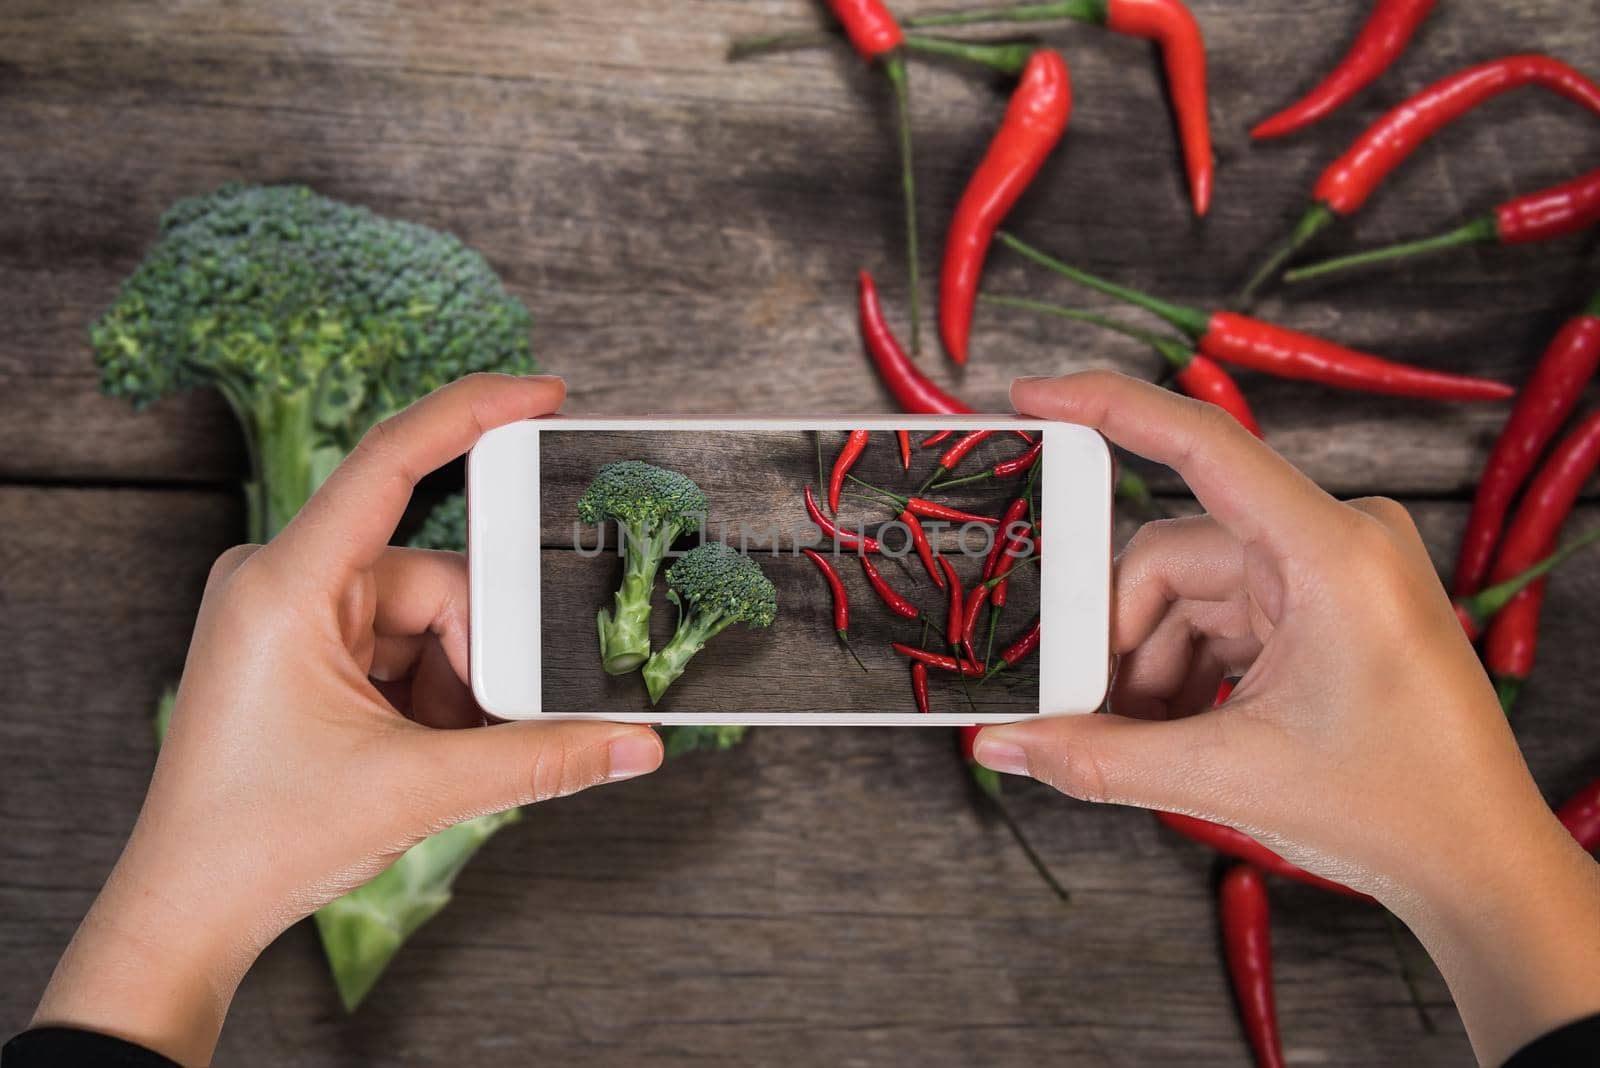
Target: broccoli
point(713, 586)
point(313, 318)
point(653, 507)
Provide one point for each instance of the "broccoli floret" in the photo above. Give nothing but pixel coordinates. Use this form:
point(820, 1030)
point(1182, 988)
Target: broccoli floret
point(314, 318)
point(445, 527)
point(714, 587)
point(652, 507)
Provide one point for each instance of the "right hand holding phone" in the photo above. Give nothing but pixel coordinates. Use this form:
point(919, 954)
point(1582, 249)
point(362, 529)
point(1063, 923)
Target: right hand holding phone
point(1363, 742)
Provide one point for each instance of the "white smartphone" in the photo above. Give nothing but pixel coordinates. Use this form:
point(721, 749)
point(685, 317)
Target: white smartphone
point(656, 570)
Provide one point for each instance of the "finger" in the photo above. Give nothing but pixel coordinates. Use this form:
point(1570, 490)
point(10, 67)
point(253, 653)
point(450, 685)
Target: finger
point(1193, 558)
point(475, 772)
point(395, 659)
point(1189, 765)
point(439, 697)
point(1150, 679)
point(349, 521)
point(1250, 489)
point(424, 592)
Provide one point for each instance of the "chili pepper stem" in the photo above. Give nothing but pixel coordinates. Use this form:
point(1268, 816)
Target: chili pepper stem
point(1508, 688)
point(1408, 974)
point(954, 482)
point(1487, 603)
point(1176, 353)
point(1077, 10)
point(1317, 219)
point(844, 639)
point(1191, 321)
point(1003, 57)
point(894, 65)
point(1021, 838)
point(1480, 231)
point(749, 47)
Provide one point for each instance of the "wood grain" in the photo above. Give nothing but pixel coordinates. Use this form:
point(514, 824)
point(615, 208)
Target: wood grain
point(687, 233)
point(688, 230)
point(835, 895)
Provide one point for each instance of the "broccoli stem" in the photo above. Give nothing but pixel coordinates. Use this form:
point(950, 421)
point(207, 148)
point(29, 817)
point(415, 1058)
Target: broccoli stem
point(668, 662)
point(625, 632)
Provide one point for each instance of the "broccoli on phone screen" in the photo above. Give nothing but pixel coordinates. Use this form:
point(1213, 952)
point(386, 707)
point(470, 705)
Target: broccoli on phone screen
point(653, 507)
point(713, 586)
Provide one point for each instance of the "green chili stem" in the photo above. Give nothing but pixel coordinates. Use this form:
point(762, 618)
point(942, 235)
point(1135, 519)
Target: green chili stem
point(1481, 231)
point(1175, 353)
point(1004, 57)
point(747, 47)
point(1191, 321)
point(1094, 11)
point(1487, 603)
point(1408, 975)
point(1317, 219)
point(895, 66)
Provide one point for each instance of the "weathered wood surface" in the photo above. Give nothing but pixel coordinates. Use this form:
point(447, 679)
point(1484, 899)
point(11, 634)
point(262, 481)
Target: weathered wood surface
point(687, 233)
point(753, 483)
point(815, 896)
point(688, 230)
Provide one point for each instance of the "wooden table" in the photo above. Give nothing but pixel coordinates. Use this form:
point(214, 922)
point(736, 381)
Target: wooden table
point(687, 232)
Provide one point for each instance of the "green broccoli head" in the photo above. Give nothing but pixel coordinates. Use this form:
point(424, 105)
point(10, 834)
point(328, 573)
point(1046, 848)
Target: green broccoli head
point(714, 587)
point(445, 527)
point(314, 318)
point(652, 507)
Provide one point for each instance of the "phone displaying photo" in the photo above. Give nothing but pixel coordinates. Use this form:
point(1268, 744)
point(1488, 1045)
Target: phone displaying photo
point(766, 571)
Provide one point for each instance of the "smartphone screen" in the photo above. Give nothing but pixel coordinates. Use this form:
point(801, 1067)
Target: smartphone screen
point(710, 574)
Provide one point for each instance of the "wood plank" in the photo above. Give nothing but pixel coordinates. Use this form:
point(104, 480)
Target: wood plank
point(816, 895)
point(688, 231)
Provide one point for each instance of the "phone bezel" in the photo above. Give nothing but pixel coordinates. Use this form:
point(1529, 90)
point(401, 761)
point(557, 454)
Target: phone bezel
point(503, 518)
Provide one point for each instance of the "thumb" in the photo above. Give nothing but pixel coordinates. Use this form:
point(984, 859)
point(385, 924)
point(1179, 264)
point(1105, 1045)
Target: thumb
point(1183, 764)
point(489, 769)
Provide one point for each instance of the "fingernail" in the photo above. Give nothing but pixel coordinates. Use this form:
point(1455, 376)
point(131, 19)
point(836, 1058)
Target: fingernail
point(1003, 757)
point(633, 754)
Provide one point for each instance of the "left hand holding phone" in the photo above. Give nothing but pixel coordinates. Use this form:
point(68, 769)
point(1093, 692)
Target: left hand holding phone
point(314, 739)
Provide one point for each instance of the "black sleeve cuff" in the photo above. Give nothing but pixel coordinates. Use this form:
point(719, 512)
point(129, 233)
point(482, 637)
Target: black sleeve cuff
point(64, 1047)
point(1576, 1045)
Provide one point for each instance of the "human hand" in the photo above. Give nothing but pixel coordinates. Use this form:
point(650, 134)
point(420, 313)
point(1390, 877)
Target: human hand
point(316, 738)
point(1363, 742)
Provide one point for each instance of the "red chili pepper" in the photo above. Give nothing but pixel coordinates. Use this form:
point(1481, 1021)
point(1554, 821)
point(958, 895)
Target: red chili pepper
point(873, 32)
point(964, 444)
point(1017, 650)
point(912, 390)
point(1542, 216)
point(919, 684)
point(1475, 612)
point(1197, 375)
point(1013, 515)
point(1513, 636)
point(1581, 816)
point(854, 445)
point(849, 539)
point(919, 539)
point(1247, 943)
point(1168, 23)
point(1241, 846)
point(904, 437)
point(1034, 122)
point(932, 510)
point(841, 601)
point(897, 604)
point(934, 439)
point(954, 617)
point(972, 610)
point(1548, 398)
point(1183, 53)
point(942, 661)
point(1347, 182)
point(968, 735)
point(1003, 567)
point(1016, 466)
point(1262, 346)
point(1384, 36)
